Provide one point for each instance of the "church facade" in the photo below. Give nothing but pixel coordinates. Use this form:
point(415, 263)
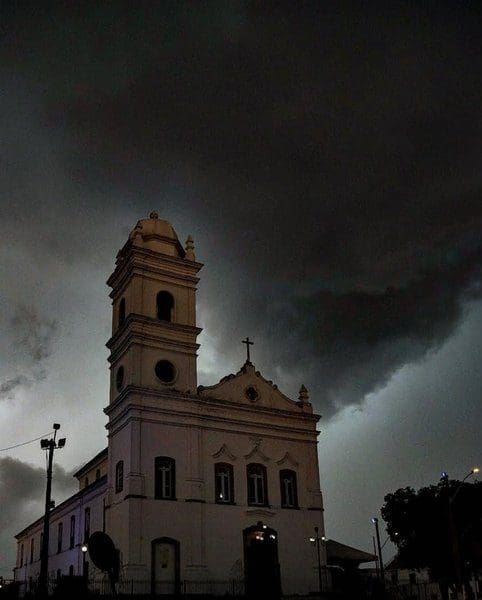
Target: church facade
point(217, 486)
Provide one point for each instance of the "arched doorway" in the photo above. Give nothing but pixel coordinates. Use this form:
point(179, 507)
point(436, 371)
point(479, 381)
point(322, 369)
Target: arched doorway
point(261, 566)
point(165, 579)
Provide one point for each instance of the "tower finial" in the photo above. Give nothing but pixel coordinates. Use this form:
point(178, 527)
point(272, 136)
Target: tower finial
point(153, 215)
point(190, 248)
point(304, 396)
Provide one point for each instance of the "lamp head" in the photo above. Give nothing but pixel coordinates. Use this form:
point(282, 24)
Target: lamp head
point(475, 470)
point(84, 548)
point(44, 444)
point(374, 520)
point(56, 426)
point(61, 443)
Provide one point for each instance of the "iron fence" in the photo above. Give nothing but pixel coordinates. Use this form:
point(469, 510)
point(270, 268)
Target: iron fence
point(100, 585)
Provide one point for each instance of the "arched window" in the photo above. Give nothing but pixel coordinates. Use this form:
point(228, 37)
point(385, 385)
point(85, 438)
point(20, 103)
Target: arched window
point(165, 478)
point(97, 474)
point(86, 482)
point(257, 485)
point(122, 312)
point(224, 483)
point(119, 476)
point(165, 306)
point(32, 543)
point(288, 488)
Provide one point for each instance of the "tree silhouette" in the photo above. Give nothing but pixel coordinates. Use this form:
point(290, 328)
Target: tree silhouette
point(438, 528)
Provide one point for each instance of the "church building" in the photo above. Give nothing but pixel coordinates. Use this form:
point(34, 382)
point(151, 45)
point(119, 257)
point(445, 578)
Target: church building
point(211, 489)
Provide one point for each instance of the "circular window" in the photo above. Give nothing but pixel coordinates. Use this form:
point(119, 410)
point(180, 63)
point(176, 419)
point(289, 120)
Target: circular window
point(251, 393)
point(166, 371)
point(119, 379)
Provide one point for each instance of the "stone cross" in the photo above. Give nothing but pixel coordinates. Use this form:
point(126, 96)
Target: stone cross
point(248, 344)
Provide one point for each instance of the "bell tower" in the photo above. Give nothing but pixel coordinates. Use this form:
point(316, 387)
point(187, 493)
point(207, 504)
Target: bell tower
point(153, 345)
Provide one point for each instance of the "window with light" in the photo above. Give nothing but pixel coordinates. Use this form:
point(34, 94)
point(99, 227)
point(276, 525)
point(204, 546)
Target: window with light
point(224, 483)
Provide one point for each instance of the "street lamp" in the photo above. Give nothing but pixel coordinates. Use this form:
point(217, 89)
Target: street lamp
point(49, 445)
point(380, 559)
point(84, 549)
point(318, 540)
point(471, 472)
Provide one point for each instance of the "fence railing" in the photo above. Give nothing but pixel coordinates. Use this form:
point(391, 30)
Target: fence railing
point(101, 586)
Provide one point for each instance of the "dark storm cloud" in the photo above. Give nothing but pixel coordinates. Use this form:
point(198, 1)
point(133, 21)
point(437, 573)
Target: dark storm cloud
point(10, 384)
point(355, 341)
point(22, 490)
point(31, 343)
point(23, 481)
point(23, 485)
point(26, 483)
point(34, 334)
point(332, 156)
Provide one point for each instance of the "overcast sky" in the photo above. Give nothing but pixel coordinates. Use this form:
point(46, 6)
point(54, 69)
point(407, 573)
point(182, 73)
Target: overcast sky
point(327, 162)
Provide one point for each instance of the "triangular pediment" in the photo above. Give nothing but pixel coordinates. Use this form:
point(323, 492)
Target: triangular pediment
point(256, 453)
point(224, 451)
point(287, 460)
point(249, 387)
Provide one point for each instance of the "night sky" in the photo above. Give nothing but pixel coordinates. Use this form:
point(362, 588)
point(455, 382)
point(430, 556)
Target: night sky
point(326, 158)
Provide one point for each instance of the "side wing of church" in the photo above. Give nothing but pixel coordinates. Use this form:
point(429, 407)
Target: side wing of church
point(216, 484)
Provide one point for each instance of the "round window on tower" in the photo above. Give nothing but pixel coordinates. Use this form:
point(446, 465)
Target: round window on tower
point(165, 371)
point(119, 379)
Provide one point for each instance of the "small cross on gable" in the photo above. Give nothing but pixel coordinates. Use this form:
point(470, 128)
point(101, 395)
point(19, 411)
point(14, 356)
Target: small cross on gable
point(248, 344)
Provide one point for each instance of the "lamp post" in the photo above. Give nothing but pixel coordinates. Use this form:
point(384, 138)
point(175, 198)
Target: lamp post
point(84, 549)
point(380, 559)
point(317, 540)
point(49, 445)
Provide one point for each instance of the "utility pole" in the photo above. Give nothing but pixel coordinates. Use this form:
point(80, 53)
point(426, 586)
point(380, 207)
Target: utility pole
point(452, 530)
point(50, 446)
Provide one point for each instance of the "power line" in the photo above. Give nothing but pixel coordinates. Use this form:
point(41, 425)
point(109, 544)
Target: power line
point(25, 443)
